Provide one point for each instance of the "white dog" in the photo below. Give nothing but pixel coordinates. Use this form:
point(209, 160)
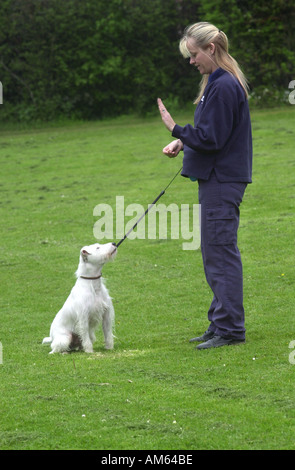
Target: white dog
point(88, 304)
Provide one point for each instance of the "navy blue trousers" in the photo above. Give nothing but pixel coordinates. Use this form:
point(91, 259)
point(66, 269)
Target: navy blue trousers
point(221, 257)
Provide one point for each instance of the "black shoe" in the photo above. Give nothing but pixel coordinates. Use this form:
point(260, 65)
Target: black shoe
point(207, 335)
point(218, 341)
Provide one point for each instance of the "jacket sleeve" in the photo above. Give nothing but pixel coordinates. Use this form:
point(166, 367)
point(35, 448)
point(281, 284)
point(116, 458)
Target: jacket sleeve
point(214, 127)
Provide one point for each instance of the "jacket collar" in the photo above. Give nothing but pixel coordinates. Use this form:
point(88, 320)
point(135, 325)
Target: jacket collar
point(213, 76)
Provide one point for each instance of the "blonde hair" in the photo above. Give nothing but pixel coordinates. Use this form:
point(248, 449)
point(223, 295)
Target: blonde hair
point(203, 34)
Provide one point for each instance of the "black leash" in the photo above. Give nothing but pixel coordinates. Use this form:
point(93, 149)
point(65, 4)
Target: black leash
point(150, 206)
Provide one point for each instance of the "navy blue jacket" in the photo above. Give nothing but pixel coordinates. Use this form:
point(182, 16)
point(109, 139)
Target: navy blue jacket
point(221, 138)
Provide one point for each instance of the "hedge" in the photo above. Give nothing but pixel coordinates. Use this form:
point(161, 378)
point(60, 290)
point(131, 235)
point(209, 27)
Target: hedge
point(95, 58)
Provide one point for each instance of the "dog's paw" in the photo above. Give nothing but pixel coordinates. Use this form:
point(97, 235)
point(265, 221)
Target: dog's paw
point(47, 340)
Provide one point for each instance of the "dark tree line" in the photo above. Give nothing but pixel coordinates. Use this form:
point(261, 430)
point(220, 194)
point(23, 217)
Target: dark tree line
point(94, 58)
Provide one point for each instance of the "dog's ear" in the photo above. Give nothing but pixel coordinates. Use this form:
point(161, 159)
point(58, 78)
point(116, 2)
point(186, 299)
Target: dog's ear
point(85, 255)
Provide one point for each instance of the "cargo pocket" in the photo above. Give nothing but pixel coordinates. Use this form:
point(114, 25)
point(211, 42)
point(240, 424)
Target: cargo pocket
point(222, 226)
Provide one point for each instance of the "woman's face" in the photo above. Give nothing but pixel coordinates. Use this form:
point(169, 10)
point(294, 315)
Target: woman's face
point(203, 59)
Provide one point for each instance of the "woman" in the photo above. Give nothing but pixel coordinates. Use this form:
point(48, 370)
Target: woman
point(217, 153)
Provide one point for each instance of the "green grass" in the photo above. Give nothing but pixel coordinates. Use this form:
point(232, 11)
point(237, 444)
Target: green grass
point(154, 390)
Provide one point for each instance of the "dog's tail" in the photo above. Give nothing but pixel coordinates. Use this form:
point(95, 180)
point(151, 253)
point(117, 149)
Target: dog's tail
point(47, 340)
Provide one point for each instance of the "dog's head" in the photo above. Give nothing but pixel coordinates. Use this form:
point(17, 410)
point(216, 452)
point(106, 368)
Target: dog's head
point(97, 254)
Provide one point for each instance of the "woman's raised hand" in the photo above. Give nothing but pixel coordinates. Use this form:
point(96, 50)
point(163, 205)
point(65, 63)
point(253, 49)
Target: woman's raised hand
point(166, 117)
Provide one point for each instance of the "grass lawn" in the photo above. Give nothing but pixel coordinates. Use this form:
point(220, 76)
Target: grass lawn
point(154, 390)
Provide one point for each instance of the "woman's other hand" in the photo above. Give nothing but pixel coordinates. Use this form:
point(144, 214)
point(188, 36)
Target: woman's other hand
point(173, 149)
